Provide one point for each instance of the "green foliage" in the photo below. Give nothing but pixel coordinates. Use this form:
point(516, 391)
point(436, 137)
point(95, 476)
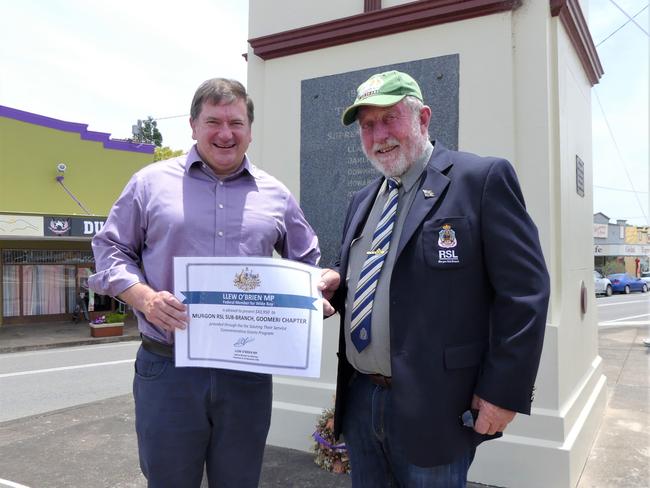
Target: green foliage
point(613, 267)
point(162, 153)
point(114, 317)
point(147, 131)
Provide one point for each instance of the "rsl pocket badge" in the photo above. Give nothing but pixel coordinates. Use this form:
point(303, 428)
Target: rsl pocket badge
point(447, 237)
point(447, 241)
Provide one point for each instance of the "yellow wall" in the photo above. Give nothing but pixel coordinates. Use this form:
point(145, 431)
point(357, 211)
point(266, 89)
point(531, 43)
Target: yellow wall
point(636, 235)
point(29, 154)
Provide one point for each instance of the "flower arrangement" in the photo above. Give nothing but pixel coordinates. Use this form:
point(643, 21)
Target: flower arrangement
point(111, 318)
point(330, 456)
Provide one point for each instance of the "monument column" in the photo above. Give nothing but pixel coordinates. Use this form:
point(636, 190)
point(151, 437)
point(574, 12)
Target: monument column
point(504, 78)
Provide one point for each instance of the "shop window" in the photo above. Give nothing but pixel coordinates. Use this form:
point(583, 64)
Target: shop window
point(10, 291)
point(93, 301)
point(43, 289)
point(38, 256)
point(70, 288)
point(48, 282)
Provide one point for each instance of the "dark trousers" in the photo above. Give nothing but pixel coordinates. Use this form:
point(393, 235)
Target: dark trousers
point(376, 460)
point(191, 418)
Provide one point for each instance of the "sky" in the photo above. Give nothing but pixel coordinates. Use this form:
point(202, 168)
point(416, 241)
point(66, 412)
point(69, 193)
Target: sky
point(620, 111)
point(108, 64)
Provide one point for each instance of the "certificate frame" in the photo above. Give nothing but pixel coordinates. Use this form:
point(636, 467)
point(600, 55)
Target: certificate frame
point(271, 309)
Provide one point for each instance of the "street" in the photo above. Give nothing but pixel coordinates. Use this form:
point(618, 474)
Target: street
point(42, 381)
point(624, 310)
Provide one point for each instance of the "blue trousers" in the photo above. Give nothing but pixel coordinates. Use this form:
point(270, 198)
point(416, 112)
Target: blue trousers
point(188, 419)
point(376, 460)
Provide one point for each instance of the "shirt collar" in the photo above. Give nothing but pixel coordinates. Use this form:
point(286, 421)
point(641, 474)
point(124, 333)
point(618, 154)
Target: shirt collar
point(194, 161)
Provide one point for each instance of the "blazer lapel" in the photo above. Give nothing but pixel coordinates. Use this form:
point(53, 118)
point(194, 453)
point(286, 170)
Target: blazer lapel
point(428, 194)
point(360, 214)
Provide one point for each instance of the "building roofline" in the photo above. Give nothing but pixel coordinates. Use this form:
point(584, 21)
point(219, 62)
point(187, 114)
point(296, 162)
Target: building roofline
point(81, 129)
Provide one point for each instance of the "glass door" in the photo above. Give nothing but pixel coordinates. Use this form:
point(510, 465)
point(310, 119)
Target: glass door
point(93, 301)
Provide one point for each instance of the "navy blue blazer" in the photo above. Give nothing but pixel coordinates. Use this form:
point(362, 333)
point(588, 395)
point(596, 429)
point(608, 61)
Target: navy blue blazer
point(468, 300)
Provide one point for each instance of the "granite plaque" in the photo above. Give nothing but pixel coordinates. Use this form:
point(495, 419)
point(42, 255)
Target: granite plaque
point(332, 164)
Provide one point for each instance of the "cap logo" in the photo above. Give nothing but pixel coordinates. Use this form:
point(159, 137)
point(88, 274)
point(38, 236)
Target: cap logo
point(370, 87)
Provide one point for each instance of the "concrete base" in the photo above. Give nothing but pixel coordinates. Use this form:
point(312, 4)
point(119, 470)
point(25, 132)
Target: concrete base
point(299, 402)
point(295, 417)
point(542, 459)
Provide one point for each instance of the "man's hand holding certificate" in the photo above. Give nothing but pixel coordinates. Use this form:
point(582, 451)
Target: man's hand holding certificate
point(262, 315)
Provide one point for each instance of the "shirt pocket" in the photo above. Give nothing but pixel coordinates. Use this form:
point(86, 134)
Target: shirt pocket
point(259, 235)
point(447, 242)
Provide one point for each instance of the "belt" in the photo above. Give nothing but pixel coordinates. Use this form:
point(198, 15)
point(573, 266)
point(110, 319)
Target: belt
point(380, 380)
point(151, 345)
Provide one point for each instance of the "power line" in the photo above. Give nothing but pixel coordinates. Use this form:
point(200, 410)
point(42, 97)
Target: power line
point(631, 18)
point(171, 117)
point(623, 25)
point(618, 151)
point(618, 189)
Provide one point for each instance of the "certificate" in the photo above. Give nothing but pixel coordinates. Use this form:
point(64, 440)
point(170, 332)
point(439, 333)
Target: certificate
point(262, 315)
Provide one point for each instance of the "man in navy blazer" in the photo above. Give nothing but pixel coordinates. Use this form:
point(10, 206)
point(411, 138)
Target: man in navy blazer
point(442, 326)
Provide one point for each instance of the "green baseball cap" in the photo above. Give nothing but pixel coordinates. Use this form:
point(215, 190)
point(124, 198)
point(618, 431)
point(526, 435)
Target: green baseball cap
point(382, 90)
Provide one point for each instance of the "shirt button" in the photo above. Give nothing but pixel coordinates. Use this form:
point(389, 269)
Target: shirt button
point(220, 233)
point(221, 205)
point(221, 183)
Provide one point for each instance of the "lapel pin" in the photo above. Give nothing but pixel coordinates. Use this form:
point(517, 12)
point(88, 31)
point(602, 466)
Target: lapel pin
point(428, 194)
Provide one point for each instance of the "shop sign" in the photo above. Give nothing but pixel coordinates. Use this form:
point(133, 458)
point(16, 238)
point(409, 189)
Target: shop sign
point(621, 250)
point(600, 231)
point(21, 226)
point(56, 226)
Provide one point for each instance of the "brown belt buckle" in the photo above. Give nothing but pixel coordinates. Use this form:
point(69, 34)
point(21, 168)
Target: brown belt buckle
point(380, 380)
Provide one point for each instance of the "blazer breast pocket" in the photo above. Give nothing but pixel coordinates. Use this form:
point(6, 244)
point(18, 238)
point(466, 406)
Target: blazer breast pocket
point(447, 242)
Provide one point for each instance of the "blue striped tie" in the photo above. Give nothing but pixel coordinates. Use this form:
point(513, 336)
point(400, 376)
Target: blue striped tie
point(362, 308)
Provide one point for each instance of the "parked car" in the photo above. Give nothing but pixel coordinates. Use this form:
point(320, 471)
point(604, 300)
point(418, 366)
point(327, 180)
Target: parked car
point(602, 285)
point(645, 276)
point(625, 283)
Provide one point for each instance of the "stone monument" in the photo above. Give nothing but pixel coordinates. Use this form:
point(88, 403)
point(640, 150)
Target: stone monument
point(516, 81)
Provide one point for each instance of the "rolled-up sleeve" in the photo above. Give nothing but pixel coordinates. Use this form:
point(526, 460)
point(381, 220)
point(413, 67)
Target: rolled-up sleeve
point(118, 245)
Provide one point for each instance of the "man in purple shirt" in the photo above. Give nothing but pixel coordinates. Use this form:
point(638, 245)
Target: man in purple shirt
point(211, 202)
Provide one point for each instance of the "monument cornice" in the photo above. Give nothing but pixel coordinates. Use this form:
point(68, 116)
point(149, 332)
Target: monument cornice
point(574, 22)
point(375, 23)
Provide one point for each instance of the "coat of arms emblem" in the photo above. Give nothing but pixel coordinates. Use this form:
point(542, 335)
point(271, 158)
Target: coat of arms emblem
point(447, 237)
point(59, 226)
point(247, 280)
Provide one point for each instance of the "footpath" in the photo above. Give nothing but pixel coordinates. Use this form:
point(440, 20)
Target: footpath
point(94, 445)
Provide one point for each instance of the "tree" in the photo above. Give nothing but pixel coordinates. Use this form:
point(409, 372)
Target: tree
point(161, 153)
point(147, 131)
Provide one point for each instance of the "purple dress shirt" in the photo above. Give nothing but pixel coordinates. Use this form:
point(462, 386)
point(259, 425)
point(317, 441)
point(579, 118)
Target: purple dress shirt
point(179, 207)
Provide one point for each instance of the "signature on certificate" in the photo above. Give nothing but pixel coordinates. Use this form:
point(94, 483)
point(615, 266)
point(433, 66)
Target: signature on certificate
point(242, 341)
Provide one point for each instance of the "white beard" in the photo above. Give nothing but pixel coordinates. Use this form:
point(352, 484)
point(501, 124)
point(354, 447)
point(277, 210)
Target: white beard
point(399, 160)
